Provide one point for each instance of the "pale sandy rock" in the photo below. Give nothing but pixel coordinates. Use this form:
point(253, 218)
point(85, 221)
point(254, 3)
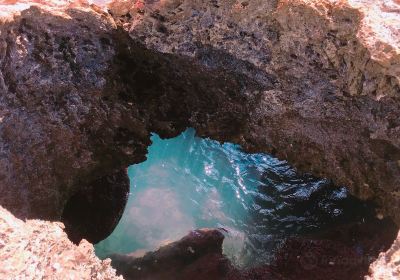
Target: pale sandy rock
point(380, 31)
point(368, 34)
point(41, 250)
point(387, 266)
point(378, 27)
point(10, 8)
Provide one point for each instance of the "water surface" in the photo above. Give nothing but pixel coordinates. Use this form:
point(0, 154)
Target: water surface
point(188, 183)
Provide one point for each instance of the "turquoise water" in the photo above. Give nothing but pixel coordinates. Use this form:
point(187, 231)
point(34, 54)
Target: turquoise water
point(189, 182)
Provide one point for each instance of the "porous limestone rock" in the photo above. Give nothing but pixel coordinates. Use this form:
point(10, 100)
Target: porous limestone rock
point(333, 108)
point(308, 81)
point(37, 249)
point(312, 82)
point(53, 56)
point(387, 266)
point(78, 102)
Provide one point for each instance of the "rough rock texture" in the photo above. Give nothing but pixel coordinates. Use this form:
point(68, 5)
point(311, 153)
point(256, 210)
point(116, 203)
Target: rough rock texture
point(295, 79)
point(344, 252)
point(334, 105)
point(196, 256)
point(79, 100)
point(52, 69)
point(387, 267)
point(313, 82)
point(41, 250)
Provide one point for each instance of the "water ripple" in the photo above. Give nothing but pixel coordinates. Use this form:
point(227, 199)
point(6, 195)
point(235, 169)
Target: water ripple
point(189, 182)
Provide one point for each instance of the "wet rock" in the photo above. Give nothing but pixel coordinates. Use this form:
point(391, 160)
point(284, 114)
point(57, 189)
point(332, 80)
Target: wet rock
point(343, 252)
point(198, 255)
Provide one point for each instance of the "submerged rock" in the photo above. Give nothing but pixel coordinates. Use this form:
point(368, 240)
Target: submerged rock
point(198, 255)
point(343, 252)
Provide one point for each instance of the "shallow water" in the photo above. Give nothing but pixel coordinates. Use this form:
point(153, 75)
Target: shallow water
point(189, 182)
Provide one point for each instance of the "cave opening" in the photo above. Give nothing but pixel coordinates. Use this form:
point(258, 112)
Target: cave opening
point(257, 201)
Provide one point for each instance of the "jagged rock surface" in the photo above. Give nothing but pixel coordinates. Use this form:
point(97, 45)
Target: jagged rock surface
point(334, 105)
point(79, 101)
point(52, 69)
point(41, 250)
point(313, 82)
point(386, 267)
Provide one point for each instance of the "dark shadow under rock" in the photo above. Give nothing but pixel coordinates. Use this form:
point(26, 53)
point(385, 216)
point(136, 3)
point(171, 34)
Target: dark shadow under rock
point(94, 211)
point(344, 252)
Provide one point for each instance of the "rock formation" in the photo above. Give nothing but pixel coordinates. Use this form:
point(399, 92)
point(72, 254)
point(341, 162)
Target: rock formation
point(41, 250)
point(198, 255)
point(386, 267)
point(79, 100)
point(81, 89)
point(344, 252)
point(334, 66)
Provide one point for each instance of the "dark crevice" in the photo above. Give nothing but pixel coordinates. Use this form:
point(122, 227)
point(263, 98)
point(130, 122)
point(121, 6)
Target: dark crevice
point(94, 211)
